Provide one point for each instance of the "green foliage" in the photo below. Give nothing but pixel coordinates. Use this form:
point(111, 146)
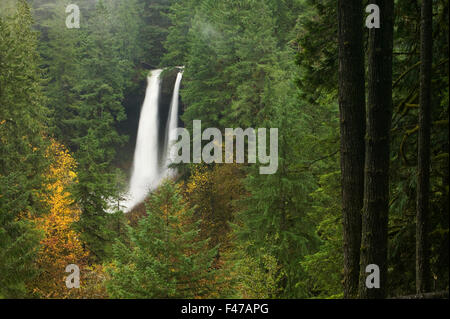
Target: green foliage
point(239, 59)
point(404, 150)
point(256, 278)
point(317, 48)
point(165, 258)
point(180, 15)
point(154, 30)
point(230, 53)
point(317, 59)
point(228, 231)
point(324, 268)
point(89, 70)
point(275, 215)
point(22, 150)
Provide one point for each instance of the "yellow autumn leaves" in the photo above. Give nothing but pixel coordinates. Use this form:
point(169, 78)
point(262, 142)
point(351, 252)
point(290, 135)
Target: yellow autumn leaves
point(60, 244)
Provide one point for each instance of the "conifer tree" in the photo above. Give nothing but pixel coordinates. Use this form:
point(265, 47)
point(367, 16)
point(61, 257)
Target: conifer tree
point(98, 110)
point(22, 151)
point(165, 257)
point(352, 121)
point(374, 242)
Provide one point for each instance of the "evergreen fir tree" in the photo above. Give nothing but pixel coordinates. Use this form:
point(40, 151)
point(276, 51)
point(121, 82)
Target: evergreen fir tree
point(22, 151)
point(165, 257)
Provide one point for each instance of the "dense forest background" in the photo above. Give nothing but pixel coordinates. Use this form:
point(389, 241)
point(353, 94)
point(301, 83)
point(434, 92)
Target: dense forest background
point(69, 110)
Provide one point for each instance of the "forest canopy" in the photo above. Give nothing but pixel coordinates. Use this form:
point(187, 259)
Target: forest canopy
point(362, 172)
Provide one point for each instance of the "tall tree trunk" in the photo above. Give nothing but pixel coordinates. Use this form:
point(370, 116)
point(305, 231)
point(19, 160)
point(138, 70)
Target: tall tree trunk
point(423, 177)
point(376, 181)
point(352, 125)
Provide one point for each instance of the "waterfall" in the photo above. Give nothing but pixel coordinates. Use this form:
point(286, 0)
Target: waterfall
point(147, 172)
point(172, 124)
point(145, 175)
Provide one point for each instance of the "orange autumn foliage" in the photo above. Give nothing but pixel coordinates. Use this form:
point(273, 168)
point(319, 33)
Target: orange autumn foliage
point(60, 245)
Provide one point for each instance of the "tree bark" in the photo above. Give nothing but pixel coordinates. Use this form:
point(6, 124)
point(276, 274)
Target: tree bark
point(376, 181)
point(423, 277)
point(352, 127)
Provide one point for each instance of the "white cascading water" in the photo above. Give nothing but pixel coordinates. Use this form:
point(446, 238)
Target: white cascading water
point(145, 175)
point(172, 124)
